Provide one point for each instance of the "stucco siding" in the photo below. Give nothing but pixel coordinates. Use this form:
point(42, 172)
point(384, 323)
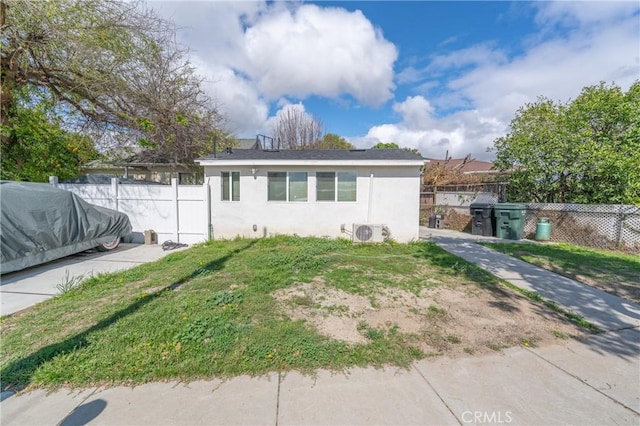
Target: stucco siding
point(390, 197)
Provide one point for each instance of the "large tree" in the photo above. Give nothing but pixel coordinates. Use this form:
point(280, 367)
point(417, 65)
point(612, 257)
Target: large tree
point(297, 129)
point(393, 145)
point(43, 148)
point(332, 141)
point(582, 151)
point(385, 145)
point(113, 69)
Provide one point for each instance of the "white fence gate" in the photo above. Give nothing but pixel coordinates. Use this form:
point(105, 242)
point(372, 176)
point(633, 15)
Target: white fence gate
point(180, 213)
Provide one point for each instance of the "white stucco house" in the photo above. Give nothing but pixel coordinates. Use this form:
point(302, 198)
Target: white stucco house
point(256, 193)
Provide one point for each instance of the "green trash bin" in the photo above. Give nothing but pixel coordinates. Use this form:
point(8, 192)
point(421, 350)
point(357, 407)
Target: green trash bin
point(543, 229)
point(510, 220)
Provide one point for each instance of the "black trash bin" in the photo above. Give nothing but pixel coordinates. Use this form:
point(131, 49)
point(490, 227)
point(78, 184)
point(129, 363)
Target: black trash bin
point(483, 221)
point(432, 221)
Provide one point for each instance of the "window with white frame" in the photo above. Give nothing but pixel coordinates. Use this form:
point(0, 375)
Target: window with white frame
point(230, 186)
point(336, 186)
point(287, 186)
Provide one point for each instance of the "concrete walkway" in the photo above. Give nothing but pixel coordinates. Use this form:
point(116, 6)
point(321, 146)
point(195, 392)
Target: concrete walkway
point(595, 381)
point(583, 383)
point(23, 289)
point(604, 310)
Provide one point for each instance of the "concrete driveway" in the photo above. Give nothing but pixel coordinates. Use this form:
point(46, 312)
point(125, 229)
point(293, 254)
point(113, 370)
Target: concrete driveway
point(23, 289)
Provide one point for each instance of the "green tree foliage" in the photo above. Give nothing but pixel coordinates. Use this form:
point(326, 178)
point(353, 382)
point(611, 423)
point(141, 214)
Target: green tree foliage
point(43, 148)
point(583, 151)
point(114, 70)
point(393, 145)
point(332, 141)
point(413, 151)
point(385, 145)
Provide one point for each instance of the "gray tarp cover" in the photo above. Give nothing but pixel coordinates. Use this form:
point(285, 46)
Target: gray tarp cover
point(40, 223)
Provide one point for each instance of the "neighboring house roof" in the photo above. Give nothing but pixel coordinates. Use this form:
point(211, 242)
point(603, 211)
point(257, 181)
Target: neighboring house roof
point(137, 160)
point(312, 156)
point(99, 164)
point(246, 143)
point(148, 158)
point(466, 165)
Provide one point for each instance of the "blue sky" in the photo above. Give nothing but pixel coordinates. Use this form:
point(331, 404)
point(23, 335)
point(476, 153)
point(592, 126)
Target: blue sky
point(436, 76)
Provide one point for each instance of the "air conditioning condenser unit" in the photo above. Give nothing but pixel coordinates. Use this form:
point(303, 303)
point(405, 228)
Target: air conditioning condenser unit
point(365, 233)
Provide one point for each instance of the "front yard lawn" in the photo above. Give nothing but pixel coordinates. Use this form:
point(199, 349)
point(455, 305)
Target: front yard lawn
point(615, 273)
point(226, 308)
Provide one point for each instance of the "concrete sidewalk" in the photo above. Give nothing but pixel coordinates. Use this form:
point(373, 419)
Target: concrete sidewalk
point(584, 383)
point(23, 289)
point(606, 311)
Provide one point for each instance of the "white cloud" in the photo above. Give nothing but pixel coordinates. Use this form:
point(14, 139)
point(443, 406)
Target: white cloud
point(255, 53)
point(432, 136)
point(486, 86)
point(270, 124)
point(416, 112)
point(558, 69)
point(320, 51)
point(477, 55)
point(583, 12)
point(236, 97)
point(409, 75)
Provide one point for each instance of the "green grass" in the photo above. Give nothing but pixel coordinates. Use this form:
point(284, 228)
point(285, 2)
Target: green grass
point(571, 316)
point(613, 272)
point(208, 311)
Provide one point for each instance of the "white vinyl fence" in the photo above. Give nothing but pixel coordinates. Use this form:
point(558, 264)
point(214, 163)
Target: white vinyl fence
point(179, 213)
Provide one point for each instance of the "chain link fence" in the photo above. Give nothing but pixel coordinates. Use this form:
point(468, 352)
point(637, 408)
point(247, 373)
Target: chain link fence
point(609, 227)
point(612, 227)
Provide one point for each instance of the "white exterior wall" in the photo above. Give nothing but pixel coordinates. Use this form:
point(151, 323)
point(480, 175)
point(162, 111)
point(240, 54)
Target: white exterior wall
point(391, 197)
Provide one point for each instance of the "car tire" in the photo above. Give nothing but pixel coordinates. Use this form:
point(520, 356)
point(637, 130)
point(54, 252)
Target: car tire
point(109, 245)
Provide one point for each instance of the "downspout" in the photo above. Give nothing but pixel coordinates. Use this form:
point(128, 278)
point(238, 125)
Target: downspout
point(207, 199)
point(369, 207)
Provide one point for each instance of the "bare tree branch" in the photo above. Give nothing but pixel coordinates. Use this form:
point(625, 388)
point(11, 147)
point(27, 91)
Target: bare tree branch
point(115, 66)
point(297, 129)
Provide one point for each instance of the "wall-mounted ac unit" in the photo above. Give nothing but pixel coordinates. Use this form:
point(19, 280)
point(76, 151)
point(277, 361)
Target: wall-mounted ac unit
point(363, 233)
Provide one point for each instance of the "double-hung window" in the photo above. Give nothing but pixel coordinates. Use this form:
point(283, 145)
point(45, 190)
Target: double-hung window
point(336, 186)
point(287, 186)
point(230, 186)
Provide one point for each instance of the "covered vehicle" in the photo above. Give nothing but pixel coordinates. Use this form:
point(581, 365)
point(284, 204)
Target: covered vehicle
point(40, 223)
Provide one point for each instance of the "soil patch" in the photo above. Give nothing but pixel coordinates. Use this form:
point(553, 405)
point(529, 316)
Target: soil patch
point(455, 320)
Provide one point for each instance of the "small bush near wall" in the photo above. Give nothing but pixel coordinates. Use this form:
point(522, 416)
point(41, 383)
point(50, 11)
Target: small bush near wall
point(453, 218)
point(457, 221)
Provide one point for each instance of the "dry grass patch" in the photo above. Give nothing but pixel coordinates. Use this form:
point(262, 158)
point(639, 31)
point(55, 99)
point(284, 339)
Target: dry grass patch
point(453, 320)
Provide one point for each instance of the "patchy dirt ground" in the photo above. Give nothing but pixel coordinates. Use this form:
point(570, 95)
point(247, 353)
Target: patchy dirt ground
point(465, 319)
